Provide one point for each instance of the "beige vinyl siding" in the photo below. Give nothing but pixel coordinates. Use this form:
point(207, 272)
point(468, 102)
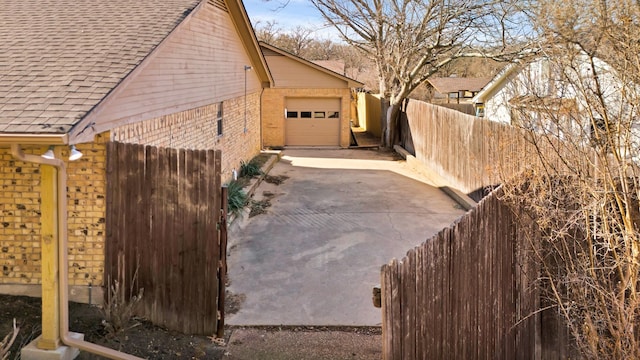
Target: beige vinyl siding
point(201, 62)
point(289, 73)
point(314, 130)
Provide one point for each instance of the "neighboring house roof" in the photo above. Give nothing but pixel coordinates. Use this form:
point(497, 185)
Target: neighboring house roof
point(60, 58)
point(351, 82)
point(455, 84)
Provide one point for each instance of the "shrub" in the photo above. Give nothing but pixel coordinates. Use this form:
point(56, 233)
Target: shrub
point(8, 340)
point(250, 169)
point(119, 308)
point(236, 197)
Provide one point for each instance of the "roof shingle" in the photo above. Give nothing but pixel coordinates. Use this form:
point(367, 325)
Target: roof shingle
point(455, 84)
point(62, 57)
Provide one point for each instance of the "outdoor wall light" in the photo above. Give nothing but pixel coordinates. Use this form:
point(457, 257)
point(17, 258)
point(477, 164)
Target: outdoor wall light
point(49, 153)
point(74, 154)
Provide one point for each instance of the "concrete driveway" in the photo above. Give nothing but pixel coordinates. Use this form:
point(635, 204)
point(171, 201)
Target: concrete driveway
point(314, 256)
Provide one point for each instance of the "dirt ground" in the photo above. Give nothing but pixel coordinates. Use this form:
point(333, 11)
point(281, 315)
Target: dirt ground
point(152, 342)
point(144, 340)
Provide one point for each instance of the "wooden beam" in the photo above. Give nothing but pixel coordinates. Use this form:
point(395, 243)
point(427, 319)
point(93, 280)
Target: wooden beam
point(50, 339)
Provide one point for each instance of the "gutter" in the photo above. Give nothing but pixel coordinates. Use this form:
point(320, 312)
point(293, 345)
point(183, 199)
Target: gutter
point(63, 273)
point(34, 139)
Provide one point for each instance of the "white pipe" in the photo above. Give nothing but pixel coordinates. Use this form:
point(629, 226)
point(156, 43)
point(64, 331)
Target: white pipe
point(63, 273)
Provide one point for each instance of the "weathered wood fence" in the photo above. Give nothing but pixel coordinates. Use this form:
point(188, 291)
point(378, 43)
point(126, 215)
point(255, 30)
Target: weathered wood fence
point(164, 218)
point(470, 153)
point(471, 291)
point(464, 294)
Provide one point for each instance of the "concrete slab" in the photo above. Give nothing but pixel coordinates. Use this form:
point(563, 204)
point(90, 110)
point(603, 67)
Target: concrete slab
point(314, 257)
point(31, 351)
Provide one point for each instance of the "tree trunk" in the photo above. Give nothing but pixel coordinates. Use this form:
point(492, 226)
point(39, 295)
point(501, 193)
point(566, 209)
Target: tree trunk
point(390, 125)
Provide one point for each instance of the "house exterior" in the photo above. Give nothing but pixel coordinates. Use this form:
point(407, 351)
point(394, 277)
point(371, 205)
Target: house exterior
point(308, 105)
point(570, 95)
point(172, 73)
point(533, 88)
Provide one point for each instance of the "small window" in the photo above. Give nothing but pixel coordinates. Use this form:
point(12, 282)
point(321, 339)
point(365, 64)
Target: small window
point(292, 114)
point(219, 119)
point(305, 114)
point(334, 115)
point(318, 114)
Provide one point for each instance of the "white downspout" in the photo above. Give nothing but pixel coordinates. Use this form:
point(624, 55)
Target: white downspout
point(63, 273)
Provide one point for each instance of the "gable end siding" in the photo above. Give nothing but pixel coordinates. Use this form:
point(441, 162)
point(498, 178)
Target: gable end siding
point(289, 73)
point(201, 63)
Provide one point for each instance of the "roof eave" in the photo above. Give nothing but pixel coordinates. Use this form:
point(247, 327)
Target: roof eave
point(245, 30)
point(487, 90)
point(33, 139)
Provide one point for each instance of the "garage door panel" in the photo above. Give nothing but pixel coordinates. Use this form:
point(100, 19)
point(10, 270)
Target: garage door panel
point(317, 128)
point(310, 132)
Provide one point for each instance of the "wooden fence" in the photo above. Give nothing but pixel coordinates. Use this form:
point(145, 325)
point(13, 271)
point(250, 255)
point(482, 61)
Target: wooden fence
point(465, 294)
point(163, 218)
point(370, 113)
point(470, 292)
point(470, 153)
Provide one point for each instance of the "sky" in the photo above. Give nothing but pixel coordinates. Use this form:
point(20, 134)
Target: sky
point(288, 15)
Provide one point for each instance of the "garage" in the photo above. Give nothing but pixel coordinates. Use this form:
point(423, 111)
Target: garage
point(312, 121)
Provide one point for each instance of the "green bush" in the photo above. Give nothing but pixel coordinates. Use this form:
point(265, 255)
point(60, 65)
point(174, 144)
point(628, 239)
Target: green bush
point(250, 169)
point(236, 197)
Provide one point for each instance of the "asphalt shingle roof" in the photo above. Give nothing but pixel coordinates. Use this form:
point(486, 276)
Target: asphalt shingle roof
point(455, 84)
point(60, 58)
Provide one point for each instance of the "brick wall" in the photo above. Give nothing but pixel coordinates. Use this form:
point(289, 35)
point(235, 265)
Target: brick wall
point(20, 215)
point(273, 104)
point(20, 188)
point(197, 129)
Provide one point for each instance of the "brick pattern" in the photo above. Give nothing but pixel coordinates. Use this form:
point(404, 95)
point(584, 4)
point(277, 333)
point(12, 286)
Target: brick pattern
point(19, 219)
point(20, 196)
point(273, 104)
point(197, 129)
point(20, 215)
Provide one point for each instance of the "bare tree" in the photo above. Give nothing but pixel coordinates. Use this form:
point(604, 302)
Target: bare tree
point(267, 31)
point(411, 40)
point(583, 192)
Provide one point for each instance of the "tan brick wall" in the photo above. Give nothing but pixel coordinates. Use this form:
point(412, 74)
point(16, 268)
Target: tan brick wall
point(273, 104)
point(20, 215)
point(20, 186)
point(197, 129)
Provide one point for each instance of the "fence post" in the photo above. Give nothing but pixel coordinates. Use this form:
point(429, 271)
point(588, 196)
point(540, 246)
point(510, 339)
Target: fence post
point(222, 271)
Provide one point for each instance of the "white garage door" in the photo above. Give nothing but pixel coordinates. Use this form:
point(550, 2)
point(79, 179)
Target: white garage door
point(312, 122)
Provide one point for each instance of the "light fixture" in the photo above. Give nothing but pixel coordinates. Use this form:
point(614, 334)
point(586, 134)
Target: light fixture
point(49, 153)
point(74, 154)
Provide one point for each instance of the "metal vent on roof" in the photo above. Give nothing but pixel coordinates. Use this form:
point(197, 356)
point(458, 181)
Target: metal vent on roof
point(220, 4)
